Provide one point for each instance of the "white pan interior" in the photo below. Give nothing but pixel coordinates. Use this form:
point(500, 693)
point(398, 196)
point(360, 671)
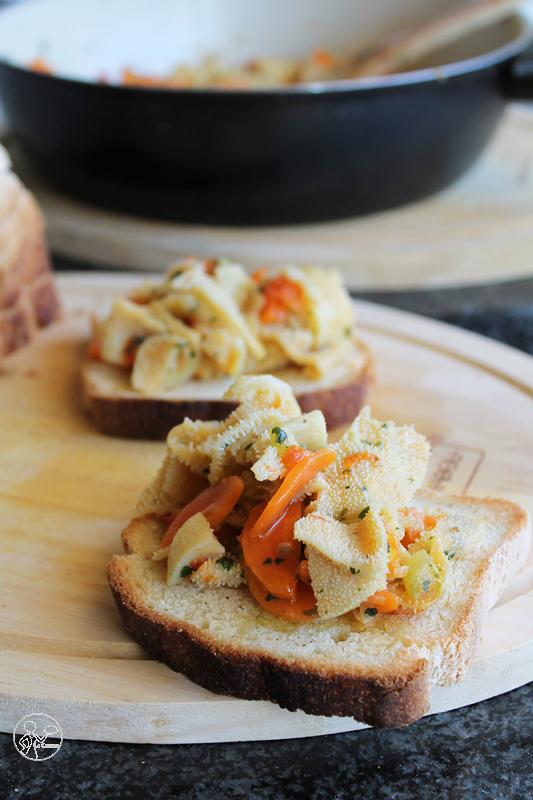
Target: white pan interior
point(84, 39)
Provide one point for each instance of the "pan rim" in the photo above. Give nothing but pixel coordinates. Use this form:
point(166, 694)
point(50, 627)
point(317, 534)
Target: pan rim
point(438, 74)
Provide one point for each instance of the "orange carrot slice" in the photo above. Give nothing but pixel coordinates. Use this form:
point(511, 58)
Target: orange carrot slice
point(41, 65)
point(356, 458)
point(393, 549)
point(305, 575)
point(383, 601)
point(302, 608)
point(293, 455)
point(273, 312)
point(274, 557)
point(93, 350)
point(293, 483)
point(324, 58)
point(281, 296)
point(215, 503)
point(260, 274)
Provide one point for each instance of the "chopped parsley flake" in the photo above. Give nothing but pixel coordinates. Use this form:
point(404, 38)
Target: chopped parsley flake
point(371, 612)
point(347, 487)
point(320, 591)
point(242, 573)
point(425, 585)
point(186, 571)
point(279, 560)
point(280, 435)
point(226, 562)
point(248, 446)
point(449, 555)
point(269, 597)
point(411, 480)
point(134, 343)
point(354, 571)
point(267, 561)
point(384, 425)
point(362, 514)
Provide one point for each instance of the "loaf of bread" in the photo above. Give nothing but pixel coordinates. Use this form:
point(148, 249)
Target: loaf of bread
point(28, 298)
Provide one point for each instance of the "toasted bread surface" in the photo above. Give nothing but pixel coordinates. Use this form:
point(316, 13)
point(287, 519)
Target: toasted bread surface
point(118, 410)
point(380, 673)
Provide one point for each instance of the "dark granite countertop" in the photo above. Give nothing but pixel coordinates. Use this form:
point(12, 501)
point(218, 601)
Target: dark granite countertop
point(482, 751)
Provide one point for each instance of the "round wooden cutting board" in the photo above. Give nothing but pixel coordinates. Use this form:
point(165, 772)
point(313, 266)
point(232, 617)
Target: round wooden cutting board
point(478, 230)
point(66, 492)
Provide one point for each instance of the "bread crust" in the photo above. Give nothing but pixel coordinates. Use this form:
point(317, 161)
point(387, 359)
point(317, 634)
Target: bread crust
point(383, 701)
point(389, 694)
point(143, 417)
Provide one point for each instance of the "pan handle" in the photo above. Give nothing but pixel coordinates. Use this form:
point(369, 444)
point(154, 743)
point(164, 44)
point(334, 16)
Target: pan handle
point(517, 76)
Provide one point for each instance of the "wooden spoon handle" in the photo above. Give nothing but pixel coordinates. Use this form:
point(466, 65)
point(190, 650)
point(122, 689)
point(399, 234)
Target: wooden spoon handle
point(401, 50)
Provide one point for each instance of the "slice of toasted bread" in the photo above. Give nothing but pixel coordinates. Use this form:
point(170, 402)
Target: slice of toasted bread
point(28, 298)
point(119, 410)
point(380, 674)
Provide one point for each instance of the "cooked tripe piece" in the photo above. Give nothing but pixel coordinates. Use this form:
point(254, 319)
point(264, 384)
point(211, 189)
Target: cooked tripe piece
point(292, 316)
point(180, 343)
point(163, 361)
point(196, 542)
point(319, 571)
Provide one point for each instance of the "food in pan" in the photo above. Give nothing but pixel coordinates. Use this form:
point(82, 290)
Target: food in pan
point(171, 349)
point(268, 564)
point(398, 52)
point(28, 298)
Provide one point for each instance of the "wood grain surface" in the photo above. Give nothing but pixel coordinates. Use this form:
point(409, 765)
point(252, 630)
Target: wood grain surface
point(66, 492)
point(478, 230)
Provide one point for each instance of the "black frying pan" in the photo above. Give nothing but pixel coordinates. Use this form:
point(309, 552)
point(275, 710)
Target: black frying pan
point(295, 154)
